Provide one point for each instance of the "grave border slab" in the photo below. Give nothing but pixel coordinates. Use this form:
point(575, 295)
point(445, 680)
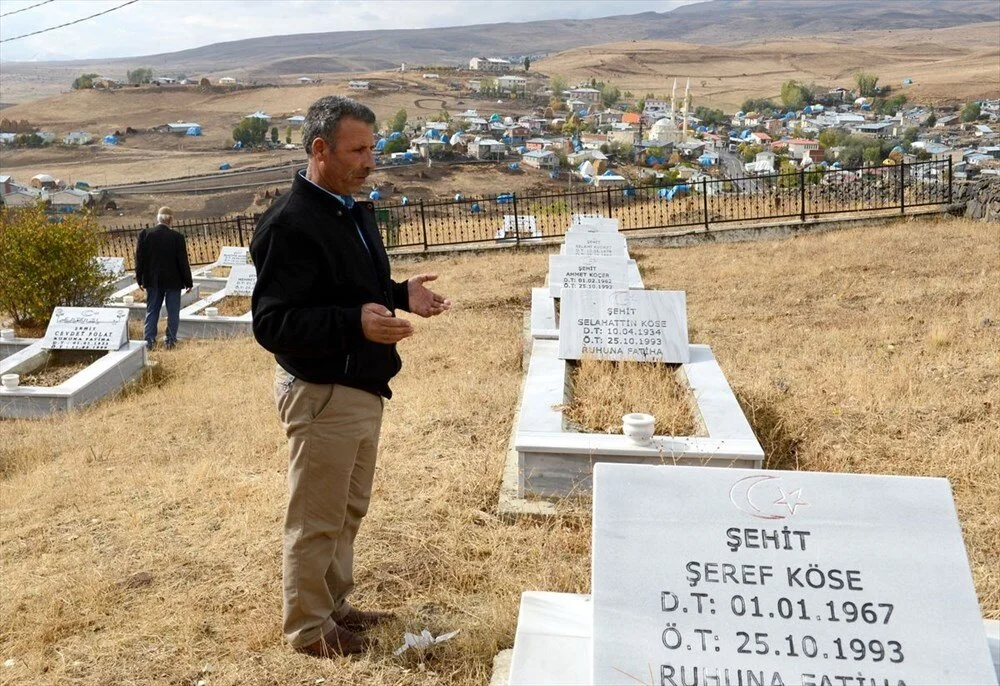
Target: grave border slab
point(194, 325)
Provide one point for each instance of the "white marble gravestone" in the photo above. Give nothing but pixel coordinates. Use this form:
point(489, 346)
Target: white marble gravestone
point(242, 279)
point(592, 223)
point(230, 256)
point(643, 326)
point(573, 271)
point(704, 575)
point(598, 244)
point(86, 328)
point(112, 267)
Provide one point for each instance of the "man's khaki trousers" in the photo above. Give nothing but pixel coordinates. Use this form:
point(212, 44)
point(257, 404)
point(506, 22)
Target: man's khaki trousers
point(332, 440)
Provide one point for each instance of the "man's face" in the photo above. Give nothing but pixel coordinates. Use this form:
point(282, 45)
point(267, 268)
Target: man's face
point(344, 166)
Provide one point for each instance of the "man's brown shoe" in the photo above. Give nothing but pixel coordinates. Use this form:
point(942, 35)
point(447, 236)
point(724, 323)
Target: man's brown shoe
point(356, 620)
point(338, 641)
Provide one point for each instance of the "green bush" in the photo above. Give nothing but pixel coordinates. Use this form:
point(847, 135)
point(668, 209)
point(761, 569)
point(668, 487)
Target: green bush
point(45, 265)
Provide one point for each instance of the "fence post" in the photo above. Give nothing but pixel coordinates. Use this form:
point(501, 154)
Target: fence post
point(517, 224)
point(802, 195)
point(423, 223)
point(949, 180)
point(902, 187)
point(609, 203)
point(704, 200)
point(239, 228)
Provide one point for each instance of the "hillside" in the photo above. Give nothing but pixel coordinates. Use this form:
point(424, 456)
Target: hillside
point(718, 22)
point(946, 65)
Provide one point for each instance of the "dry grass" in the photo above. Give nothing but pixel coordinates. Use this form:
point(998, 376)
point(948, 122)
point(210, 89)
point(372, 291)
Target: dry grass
point(184, 478)
point(603, 391)
point(233, 305)
point(220, 271)
point(60, 365)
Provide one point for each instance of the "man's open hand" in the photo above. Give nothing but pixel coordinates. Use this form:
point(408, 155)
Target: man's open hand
point(379, 326)
point(424, 301)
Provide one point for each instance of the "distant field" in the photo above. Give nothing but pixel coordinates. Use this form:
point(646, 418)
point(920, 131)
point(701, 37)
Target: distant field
point(141, 536)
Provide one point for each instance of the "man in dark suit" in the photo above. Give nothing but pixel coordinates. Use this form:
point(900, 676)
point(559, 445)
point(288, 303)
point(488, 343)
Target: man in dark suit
point(162, 269)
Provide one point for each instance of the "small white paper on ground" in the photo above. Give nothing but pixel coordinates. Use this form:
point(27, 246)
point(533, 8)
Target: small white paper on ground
point(422, 641)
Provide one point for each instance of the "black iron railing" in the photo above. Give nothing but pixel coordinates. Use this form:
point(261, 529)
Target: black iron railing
point(511, 218)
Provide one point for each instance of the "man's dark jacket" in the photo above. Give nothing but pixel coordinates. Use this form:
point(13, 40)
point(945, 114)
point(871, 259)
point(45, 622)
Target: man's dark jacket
point(313, 275)
point(161, 259)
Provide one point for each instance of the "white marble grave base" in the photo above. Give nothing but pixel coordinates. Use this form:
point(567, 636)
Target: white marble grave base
point(137, 311)
point(554, 461)
point(209, 284)
point(10, 346)
point(552, 644)
point(123, 281)
point(195, 324)
point(104, 376)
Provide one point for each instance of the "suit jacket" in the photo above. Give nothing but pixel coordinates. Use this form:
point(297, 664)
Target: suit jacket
point(161, 259)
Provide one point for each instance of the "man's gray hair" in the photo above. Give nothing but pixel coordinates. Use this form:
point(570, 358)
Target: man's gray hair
point(324, 115)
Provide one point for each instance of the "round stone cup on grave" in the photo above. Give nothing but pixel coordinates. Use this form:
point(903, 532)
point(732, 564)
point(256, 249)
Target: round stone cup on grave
point(638, 427)
point(211, 311)
point(7, 334)
point(128, 299)
point(10, 381)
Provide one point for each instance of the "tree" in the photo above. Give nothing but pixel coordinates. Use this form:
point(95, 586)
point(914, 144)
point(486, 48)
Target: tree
point(558, 84)
point(444, 115)
point(204, 82)
point(610, 95)
point(795, 95)
point(250, 131)
point(85, 81)
point(931, 120)
point(867, 83)
point(556, 104)
point(710, 117)
point(288, 135)
point(830, 138)
point(890, 105)
point(872, 154)
point(398, 121)
point(971, 111)
point(47, 265)
point(757, 105)
point(527, 63)
point(401, 144)
point(274, 134)
point(139, 75)
point(748, 152)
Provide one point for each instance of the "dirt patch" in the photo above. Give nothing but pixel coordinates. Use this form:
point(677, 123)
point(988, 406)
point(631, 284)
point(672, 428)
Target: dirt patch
point(60, 365)
point(233, 305)
point(221, 272)
point(604, 391)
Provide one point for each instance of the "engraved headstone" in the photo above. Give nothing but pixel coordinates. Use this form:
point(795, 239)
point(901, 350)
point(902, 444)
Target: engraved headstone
point(242, 279)
point(643, 326)
point(523, 226)
point(598, 244)
point(719, 576)
point(87, 328)
point(573, 271)
point(230, 256)
point(589, 224)
point(112, 267)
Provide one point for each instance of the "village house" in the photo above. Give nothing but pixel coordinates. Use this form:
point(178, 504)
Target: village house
point(491, 64)
point(585, 155)
point(304, 80)
point(690, 149)
point(593, 140)
point(763, 163)
point(517, 134)
point(295, 121)
point(227, 81)
point(655, 109)
point(487, 149)
point(68, 200)
point(78, 138)
point(510, 83)
point(587, 95)
point(626, 135)
point(358, 85)
point(760, 138)
point(540, 159)
point(798, 147)
point(182, 127)
point(23, 197)
point(881, 129)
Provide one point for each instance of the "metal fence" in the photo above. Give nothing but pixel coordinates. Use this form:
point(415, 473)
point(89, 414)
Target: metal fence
point(511, 218)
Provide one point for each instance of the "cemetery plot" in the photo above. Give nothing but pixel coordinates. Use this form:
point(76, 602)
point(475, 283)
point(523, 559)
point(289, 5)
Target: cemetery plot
point(231, 316)
point(521, 227)
point(648, 326)
point(84, 355)
point(137, 307)
point(553, 460)
point(781, 577)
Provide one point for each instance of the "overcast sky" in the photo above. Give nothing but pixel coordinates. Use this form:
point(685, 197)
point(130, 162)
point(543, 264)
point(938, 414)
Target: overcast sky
point(153, 26)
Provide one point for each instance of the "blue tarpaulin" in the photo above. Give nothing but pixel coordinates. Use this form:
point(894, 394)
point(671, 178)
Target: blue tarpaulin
point(194, 131)
point(225, 165)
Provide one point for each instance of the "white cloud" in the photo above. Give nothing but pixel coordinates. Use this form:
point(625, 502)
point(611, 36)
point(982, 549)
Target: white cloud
point(157, 26)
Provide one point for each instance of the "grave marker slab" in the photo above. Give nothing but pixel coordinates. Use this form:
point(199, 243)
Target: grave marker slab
point(705, 575)
point(572, 271)
point(242, 279)
point(86, 328)
point(598, 244)
point(593, 222)
point(643, 326)
point(231, 256)
point(113, 267)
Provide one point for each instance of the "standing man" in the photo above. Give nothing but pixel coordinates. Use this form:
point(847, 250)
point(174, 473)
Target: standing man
point(325, 305)
point(162, 269)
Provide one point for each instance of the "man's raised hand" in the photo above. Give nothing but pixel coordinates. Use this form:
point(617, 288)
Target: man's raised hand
point(424, 301)
point(379, 326)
